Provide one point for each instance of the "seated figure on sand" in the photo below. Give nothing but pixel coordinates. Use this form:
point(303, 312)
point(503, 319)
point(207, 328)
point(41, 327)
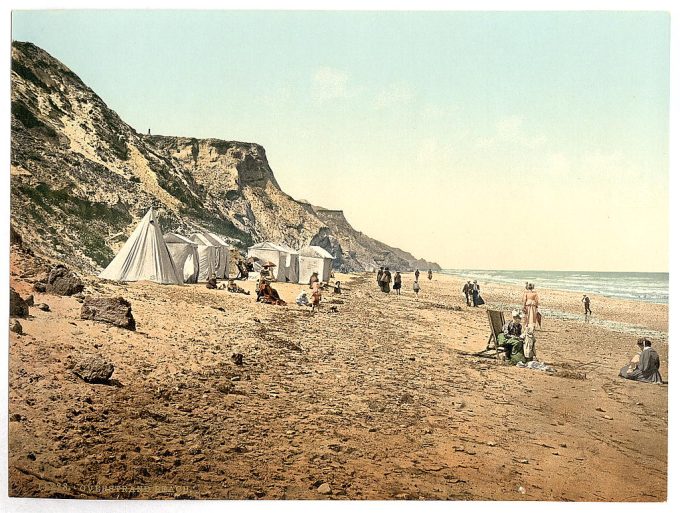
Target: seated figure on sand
point(337, 289)
point(212, 282)
point(645, 367)
point(268, 295)
point(232, 287)
point(512, 339)
point(302, 299)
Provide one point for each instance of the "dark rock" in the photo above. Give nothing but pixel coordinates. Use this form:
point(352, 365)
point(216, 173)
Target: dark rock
point(94, 370)
point(17, 306)
point(39, 286)
point(14, 236)
point(116, 311)
point(29, 300)
point(237, 358)
point(15, 327)
point(43, 306)
point(15, 417)
point(63, 282)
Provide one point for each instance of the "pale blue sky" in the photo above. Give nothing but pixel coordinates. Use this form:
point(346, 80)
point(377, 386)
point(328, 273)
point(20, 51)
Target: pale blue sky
point(435, 132)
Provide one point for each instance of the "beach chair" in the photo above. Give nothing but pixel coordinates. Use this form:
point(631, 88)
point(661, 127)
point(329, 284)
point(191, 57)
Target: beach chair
point(496, 323)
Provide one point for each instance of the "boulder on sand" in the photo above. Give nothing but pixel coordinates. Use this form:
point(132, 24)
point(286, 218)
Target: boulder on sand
point(94, 370)
point(116, 311)
point(63, 282)
point(17, 306)
point(15, 326)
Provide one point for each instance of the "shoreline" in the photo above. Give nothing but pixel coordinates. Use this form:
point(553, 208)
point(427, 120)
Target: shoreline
point(379, 400)
point(517, 282)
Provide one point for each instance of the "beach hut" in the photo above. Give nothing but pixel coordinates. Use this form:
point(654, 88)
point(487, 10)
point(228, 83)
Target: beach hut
point(285, 259)
point(144, 256)
point(292, 268)
point(207, 256)
point(222, 265)
point(314, 259)
point(184, 254)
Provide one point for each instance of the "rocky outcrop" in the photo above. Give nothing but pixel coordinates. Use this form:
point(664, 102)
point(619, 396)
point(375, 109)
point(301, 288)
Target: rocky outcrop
point(116, 311)
point(17, 306)
point(63, 282)
point(81, 178)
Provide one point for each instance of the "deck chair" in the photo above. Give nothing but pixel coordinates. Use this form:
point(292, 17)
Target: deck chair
point(496, 323)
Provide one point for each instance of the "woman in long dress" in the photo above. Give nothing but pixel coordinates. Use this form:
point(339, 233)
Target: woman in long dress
point(531, 317)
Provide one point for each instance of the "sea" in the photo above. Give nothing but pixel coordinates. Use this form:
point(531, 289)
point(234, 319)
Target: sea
point(649, 287)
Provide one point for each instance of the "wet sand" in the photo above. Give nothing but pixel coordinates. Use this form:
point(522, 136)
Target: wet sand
point(378, 400)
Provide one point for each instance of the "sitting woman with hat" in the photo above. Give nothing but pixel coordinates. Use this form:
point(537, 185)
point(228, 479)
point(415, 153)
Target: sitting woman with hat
point(512, 339)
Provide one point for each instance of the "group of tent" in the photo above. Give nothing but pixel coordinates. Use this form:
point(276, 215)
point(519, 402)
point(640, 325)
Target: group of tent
point(175, 259)
point(291, 265)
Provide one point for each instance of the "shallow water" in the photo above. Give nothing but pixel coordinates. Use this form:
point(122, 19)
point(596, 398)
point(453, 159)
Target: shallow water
point(615, 326)
point(648, 287)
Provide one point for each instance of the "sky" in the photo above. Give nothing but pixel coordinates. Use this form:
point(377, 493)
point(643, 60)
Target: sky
point(480, 140)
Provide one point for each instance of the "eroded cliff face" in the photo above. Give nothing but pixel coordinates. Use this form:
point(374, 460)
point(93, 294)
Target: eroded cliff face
point(81, 178)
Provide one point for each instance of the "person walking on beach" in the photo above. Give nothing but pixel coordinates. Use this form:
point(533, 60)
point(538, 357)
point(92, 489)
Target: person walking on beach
point(586, 306)
point(379, 277)
point(476, 299)
point(429, 274)
point(416, 288)
point(397, 283)
point(386, 280)
point(530, 302)
point(467, 290)
point(417, 273)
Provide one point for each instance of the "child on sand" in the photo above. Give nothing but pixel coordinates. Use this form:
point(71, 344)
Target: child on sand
point(416, 288)
point(316, 296)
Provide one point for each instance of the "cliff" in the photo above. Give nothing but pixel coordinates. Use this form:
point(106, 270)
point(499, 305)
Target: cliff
point(81, 178)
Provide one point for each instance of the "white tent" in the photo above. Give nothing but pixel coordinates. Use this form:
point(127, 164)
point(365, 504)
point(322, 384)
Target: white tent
point(222, 267)
point(292, 264)
point(207, 256)
point(144, 256)
point(285, 259)
point(315, 259)
point(184, 253)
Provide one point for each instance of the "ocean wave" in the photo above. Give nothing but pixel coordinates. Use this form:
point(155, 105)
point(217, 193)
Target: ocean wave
point(649, 287)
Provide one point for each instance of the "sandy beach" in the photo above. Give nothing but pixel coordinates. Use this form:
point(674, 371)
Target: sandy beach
point(374, 401)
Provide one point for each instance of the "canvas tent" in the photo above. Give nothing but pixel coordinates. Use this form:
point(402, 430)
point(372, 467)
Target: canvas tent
point(207, 256)
point(292, 264)
point(285, 258)
point(222, 267)
point(184, 253)
point(144, 256)
point(314, 259)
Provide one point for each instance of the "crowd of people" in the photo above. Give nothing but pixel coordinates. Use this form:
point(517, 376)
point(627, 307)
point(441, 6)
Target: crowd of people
point(386, 282)
point(517, 339)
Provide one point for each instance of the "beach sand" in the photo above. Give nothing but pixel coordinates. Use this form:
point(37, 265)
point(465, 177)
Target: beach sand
point(376, 401)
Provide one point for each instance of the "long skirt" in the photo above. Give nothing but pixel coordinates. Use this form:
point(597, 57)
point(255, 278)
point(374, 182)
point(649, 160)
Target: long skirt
point(531, 309)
